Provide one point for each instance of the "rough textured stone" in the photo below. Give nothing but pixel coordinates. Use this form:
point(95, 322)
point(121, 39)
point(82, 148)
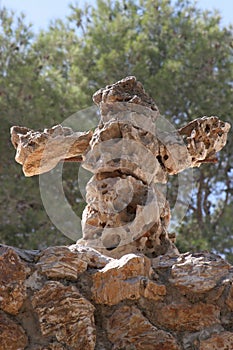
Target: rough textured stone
point(29, 256)
point(128, 154)
point(128, 329)
point(120, 279)
point(59, 315)
point(126, 90)
point(121, 146)
point(110, 222)
point(118, 226)
point(198, 273)
point(40, 152)
point(65, 314)
point(12, 335)
point(154, 291)
point(60, 262)
point(12, 277)
point(204, 137)
point(179, 297)
point(165, 261)
point(229, 299)
point(221, 341)
point(92, 257)
point(188, 317)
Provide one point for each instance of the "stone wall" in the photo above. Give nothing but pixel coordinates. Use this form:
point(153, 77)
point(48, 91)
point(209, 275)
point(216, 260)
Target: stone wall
point(76, 298)
point(136, 292)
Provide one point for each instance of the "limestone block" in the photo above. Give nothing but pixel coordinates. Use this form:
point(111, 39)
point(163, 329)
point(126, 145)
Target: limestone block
point(60, 262)
point(198, 273)
point(12, 277)
point(40, 152)
point(65, 314)
point(187, 317)
point(92, 257)
point(154, 291)
point(12, 335)
point(221, 341)
point(120, 279)
point(128, 329)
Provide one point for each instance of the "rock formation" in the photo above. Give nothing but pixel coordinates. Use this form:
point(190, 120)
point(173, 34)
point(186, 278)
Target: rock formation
point(55, 142)
point(124, 285)
point(126, 211)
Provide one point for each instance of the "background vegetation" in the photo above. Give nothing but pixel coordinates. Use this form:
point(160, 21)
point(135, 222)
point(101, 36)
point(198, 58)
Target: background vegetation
point(182, 55)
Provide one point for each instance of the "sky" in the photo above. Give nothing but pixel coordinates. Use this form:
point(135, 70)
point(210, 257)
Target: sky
point(41, 12)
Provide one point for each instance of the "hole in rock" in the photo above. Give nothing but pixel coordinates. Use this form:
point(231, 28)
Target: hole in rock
point(159, 158)
point(207, 129)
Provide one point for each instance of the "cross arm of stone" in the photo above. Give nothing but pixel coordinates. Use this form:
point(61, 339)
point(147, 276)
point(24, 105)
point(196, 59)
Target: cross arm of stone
point(41, 151)
point(190, 146)
point(194, 144)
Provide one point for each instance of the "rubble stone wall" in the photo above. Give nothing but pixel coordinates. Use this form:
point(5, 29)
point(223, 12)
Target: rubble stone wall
point(75, 298)
point(136, 292)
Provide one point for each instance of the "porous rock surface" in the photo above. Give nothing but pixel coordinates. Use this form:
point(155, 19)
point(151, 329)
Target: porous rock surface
point(75, 298)
point(130, 156)
point(41, 151)
point(134, 291)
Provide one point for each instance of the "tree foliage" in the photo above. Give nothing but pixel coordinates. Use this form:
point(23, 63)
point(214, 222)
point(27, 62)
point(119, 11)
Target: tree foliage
point(181, 54)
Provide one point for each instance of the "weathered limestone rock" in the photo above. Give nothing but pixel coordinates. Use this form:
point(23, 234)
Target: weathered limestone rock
point(126, 278)
point(198, 273)
point(154, 291)
point(12, 277)
point(221, 341)
point(130, 227)
point(92, 295)
point(120, 279)
point(92, 257)
point(128, 329)
point(129, 303)
point(204, 137)
point(39, 152)
point(126, 90)
point(128, 154)
point(60, 262)
point(229, 299)
point(12, 335)
point(188, 317)
point(65, 314)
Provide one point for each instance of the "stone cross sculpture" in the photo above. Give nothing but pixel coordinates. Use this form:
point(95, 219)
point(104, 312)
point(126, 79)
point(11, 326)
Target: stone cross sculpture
point(126, 210)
